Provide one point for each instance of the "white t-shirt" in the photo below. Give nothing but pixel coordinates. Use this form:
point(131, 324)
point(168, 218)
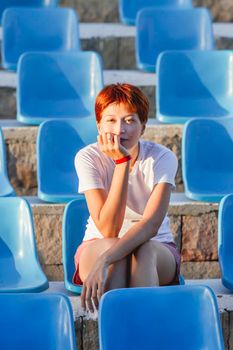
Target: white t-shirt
point(155, 164)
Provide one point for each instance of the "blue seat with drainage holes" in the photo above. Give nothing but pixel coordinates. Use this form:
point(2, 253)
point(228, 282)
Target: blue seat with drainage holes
point(20, 270)
point(5, 186)
point(128, 9)
point(174, 317)
point(36, 29)
point(194, 84)
point(73, 229)
point(36, 321)
point(57, 144)
point(64, 85)
point(29, 3)
point(225, 240)
point(159, 30)
point(207, 158)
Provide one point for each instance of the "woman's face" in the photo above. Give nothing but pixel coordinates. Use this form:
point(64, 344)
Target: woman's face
point(118, 119)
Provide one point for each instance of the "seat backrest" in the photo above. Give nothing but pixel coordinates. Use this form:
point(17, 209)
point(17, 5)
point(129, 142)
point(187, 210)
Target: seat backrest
point(36, 29)
point(128, 8)
point(57, 144)
point(207, 156)
point(31, 3)
point(175, 317)
point(64, 85)
point(36, 321)
point(194, 83)
point(74, 225)
point(17, 238)
point(158, 30)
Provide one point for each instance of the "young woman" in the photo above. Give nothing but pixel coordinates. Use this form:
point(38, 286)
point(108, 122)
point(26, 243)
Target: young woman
point(127, 183)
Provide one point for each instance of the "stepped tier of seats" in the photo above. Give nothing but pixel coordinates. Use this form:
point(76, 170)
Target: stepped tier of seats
point(86, 324)
point(107, 11)
point(194, 225)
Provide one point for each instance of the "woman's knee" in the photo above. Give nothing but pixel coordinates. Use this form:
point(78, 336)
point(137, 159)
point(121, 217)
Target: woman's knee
point(147, 250)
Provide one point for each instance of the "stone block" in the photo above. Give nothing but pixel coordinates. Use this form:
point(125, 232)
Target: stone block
point(225, 321)
point(200, 269)
point(94, 10)
point(222, 10)
point(199, 237)
point(48, 230)
point(7, 103)
point(53, 272)
point(90, 335)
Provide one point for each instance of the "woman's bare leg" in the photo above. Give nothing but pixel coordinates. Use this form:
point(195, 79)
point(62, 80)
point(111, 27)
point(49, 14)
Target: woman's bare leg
point(117, 277)
point(152, 264)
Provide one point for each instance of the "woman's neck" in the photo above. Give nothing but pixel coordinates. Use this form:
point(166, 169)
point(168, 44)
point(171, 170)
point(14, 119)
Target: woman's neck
point(134, 152)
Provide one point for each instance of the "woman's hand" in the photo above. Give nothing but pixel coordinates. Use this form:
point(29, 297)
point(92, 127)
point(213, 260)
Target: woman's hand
point(93, 287)
point(110, 145)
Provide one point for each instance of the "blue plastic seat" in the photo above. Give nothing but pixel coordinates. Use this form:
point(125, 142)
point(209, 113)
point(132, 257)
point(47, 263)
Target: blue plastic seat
point(225, 240)
point(57, 144)
point(64, 85)
point(128, 9)
point(36, 321)
point(194, 84)
point(4, 4)
point(20, 269)
point(176, 317)
point(73, 229)
point(207, 158)
point(5, 186)
point(159, 30)
point(37, 29)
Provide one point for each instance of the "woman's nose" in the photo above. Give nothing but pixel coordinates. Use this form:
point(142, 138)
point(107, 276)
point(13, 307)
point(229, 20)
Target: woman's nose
point(120, 128)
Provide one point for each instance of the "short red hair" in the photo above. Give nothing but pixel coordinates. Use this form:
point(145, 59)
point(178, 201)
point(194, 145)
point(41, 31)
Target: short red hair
point(128, 94)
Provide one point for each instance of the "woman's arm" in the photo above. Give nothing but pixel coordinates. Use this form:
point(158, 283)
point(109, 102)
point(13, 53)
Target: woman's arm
point(108, 210)
point(146, 228)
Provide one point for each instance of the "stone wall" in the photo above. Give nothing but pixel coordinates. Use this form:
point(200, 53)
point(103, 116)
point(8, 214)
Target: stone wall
point(107, 11)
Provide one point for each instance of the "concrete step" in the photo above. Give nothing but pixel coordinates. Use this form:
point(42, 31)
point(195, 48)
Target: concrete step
point(116, 42)
point(21, 151)
point(194, 225)
point(86, 327)
point(107, 11)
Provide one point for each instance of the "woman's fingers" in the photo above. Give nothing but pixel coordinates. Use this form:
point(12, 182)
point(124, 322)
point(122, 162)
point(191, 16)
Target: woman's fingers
point(94, 296)
point(83, 296)
point(88, 299)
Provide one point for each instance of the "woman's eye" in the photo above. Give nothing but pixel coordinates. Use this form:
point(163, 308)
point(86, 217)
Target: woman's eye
point(110, 120)
point(129, 121)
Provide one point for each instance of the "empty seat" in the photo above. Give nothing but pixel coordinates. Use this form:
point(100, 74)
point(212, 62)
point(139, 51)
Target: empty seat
point(225, 240)
point(194, 84)
point(158, 30)
point(57, 144)
point(20, 270)
point(5, 186)
point(128, 8)
point(15, 3)
point(63, 85)
point(175, 317)
point(36, 29)
point(207, 158)
point(73, 229)
point(36, 321)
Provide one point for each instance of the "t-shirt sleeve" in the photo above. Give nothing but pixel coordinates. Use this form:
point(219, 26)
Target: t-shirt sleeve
point(88, 171)
point(165, 169)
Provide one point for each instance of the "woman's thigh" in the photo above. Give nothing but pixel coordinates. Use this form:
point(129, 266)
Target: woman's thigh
point(91, 253)
point(154, 255)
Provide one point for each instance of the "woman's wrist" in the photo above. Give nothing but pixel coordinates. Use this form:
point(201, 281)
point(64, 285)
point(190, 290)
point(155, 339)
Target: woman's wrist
point(124, 159)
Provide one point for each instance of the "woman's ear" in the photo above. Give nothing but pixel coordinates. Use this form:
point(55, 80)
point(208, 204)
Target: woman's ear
point(98, 127)
point(143, 128)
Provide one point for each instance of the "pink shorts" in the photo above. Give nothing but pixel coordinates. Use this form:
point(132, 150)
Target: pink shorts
point(170, 245)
